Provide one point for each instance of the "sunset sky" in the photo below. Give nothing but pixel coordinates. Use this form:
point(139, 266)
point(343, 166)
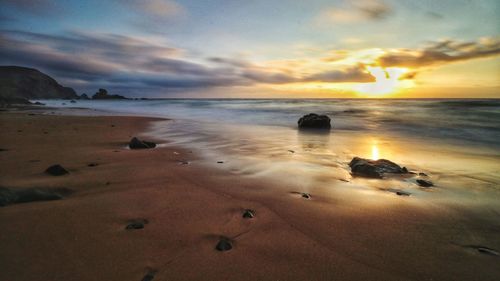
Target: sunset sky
point(256, 49)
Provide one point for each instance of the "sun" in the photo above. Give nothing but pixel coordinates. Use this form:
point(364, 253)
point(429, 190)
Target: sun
point(387, 81)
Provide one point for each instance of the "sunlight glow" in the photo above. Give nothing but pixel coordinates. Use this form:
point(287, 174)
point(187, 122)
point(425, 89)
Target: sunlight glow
point(375, 154)
point(387, 81)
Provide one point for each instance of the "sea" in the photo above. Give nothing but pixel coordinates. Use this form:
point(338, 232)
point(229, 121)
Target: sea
point(455, 141)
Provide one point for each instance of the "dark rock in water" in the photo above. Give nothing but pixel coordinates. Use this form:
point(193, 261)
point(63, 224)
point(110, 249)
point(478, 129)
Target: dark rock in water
point(424, 183)
point(224, 245)
point(12, 196)
point(249, 214)
point(72, 101)
point(374, 168)
point(39, 103)
point(314, 121)
point(56, 170)
point(102, 94)
point(137, 224)
point(135, 143)
point(306, 195)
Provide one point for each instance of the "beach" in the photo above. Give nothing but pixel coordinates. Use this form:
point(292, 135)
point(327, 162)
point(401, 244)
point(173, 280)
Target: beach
point(349, 228)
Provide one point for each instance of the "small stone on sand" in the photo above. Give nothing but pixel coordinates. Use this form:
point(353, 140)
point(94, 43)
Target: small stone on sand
point(92, 164)
point(249, 214)
point(149, 276)
point(135, 143)
point(137, 224)
point(220, 162)
point(56, 170)
point(305, 195)
point(223, 245)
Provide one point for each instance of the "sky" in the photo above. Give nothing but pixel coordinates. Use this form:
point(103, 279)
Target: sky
point(259, 49)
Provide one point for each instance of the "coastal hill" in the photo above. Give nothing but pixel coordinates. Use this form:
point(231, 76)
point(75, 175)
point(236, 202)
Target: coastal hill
point(22, 83)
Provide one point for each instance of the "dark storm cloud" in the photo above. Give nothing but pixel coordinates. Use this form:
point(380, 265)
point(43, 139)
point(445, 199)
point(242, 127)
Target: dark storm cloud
point(441, 52)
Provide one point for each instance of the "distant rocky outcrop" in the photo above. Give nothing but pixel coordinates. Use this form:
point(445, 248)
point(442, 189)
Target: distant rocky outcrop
point(102, 94)
point(19, 84)
point(83, 97)
point(314, 121)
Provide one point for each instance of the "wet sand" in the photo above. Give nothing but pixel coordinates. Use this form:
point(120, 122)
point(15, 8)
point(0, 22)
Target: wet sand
point(331, 236)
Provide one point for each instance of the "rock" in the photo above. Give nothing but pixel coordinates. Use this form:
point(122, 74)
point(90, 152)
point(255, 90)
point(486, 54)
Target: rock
point(422, 174)
point(483, 250)
point(18, 82)
point(72, 101)
point(83, 97)
point(220, 162)
point(137, 224)
point(135, 143)
point(424, 183)
point(487, 251)
point(102, 94)
point(224, 245)
point(5, 101)
point(374, 168)
point(56, 170)
point(291, 151)
point(39, 103)
point(249, 214)
point(149, 276)
point(92, 165)
point(398, 192)
point(12, 196)
point(314, 121)
point(306, 195)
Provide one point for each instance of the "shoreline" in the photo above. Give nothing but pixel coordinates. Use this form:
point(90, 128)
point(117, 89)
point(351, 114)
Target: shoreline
point(189, 206)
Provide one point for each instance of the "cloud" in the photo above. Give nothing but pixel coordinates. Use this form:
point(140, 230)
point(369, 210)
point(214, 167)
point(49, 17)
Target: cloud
point(352, 74)
point(441, 52)
point(156, 8)
point(356, 12)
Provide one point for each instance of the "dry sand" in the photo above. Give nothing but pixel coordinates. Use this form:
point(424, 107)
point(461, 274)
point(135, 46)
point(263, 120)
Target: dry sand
point(83, 236)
